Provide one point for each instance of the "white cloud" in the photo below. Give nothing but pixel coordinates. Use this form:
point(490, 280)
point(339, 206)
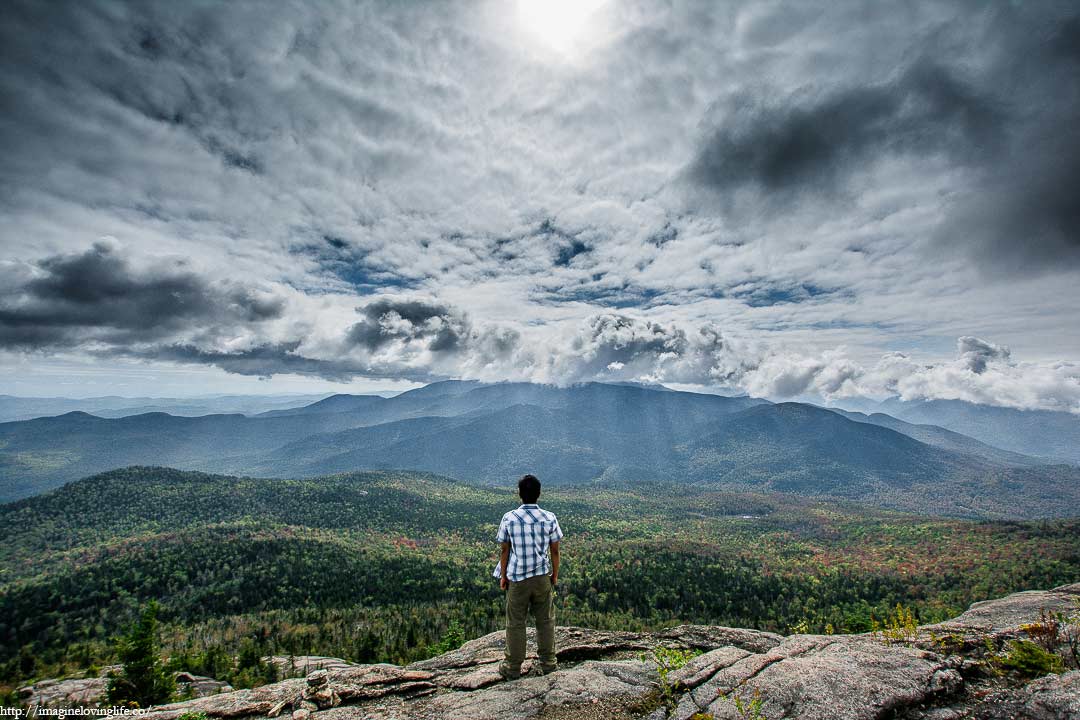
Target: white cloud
point(334, 154)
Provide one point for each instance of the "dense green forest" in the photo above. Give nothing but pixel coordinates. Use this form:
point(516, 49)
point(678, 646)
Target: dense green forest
point(383, 566)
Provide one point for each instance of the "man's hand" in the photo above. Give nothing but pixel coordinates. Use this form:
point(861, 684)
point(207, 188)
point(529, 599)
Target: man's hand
point(554, 550)
point(504, 563)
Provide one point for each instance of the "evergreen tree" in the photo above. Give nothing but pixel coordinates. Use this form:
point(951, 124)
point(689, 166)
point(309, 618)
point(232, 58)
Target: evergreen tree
point(367, 648)
point(143, 681)
point(27, 661)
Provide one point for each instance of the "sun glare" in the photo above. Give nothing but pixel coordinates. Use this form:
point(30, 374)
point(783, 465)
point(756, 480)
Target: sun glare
point(561, 25)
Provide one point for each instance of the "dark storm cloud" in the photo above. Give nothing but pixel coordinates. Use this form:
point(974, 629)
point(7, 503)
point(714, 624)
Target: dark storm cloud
point(1002, 106)
point(1022, 215)
point(397, 338)
point(1026, 219)
point(172, 66)
point(974, 353)
point(611, 343)
point(438, 326)
point(630, 337)
point(174, 101)
point(816, 140)
point(263, 361)
point(98, 295)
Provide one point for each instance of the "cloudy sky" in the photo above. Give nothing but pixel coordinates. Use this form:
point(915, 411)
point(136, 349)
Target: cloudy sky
point(790, 200)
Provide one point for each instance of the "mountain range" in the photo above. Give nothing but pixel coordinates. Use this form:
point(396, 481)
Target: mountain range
point(14, 407)
point(1041, 433)
point(588, 433)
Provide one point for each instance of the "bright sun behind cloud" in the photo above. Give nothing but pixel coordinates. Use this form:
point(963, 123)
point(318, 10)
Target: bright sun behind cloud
point(560, 25)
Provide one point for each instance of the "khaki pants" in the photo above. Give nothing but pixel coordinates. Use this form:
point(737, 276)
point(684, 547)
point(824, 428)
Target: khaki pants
point(531, 595)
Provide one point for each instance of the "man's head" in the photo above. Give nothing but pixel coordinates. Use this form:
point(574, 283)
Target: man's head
point(529, 489)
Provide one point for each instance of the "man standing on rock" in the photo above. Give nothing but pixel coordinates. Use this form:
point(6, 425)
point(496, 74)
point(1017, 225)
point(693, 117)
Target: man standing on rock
point(528, 571)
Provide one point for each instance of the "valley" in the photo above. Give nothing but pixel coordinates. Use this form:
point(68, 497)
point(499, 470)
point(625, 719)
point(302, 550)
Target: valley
point(385, 566)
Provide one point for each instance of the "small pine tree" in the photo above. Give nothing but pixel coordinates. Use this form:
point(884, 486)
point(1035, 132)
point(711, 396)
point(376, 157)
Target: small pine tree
point(143, 681)
point(27, 662)
point(249, 657)
point(367, 648)
point(269, 673)
point(452, 640)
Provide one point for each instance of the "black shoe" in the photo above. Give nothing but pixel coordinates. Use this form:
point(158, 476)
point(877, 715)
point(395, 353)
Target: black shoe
point(505, 674)
point(548, 669)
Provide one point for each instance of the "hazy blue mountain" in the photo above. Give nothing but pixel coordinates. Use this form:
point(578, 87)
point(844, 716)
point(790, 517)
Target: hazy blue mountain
point(505, 443)
point(333, 404)
point(26, 408)
point(1054, 435)
point(45, 452)
point(480, 434)
point(789, 447)
point(799, 447)
point(811, 451)
point(38, 454)
point(453, 397)
point(579, 434)
point(941, 438)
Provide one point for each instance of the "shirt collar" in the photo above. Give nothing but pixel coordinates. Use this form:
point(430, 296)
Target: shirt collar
point(528, 506)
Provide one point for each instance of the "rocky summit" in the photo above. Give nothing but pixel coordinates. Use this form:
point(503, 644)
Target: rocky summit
point(945, 671)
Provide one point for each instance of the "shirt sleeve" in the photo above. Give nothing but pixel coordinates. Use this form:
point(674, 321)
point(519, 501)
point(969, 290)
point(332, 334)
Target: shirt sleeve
point(504, 532)
point(556, 532)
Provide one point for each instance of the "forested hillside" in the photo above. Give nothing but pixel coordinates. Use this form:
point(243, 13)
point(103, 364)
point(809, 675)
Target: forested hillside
point(383, 565)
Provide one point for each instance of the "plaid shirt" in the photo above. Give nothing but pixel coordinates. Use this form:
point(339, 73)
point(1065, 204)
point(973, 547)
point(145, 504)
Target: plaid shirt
point(530, 531)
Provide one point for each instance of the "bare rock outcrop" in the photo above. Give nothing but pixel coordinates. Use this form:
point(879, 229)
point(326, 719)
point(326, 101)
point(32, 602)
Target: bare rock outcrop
point(320, 690)
point(821, 678)
point(938, 672)
point(55, 693)
point(1054, 697)
point(90, 692)
point(617, 685)
point(1004, 618)
point(197, 686)
point(288, 666)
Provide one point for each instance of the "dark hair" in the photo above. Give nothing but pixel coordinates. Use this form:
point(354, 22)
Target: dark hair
point(529, 489)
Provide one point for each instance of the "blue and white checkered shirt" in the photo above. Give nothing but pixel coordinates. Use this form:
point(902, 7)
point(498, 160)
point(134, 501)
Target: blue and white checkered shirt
point(530, 531)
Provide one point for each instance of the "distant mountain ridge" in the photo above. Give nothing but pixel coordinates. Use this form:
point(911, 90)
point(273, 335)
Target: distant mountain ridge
point(591, 432)
point(942, 438)
point(1041, 433)
point(14, 408)
point(1048, 435)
